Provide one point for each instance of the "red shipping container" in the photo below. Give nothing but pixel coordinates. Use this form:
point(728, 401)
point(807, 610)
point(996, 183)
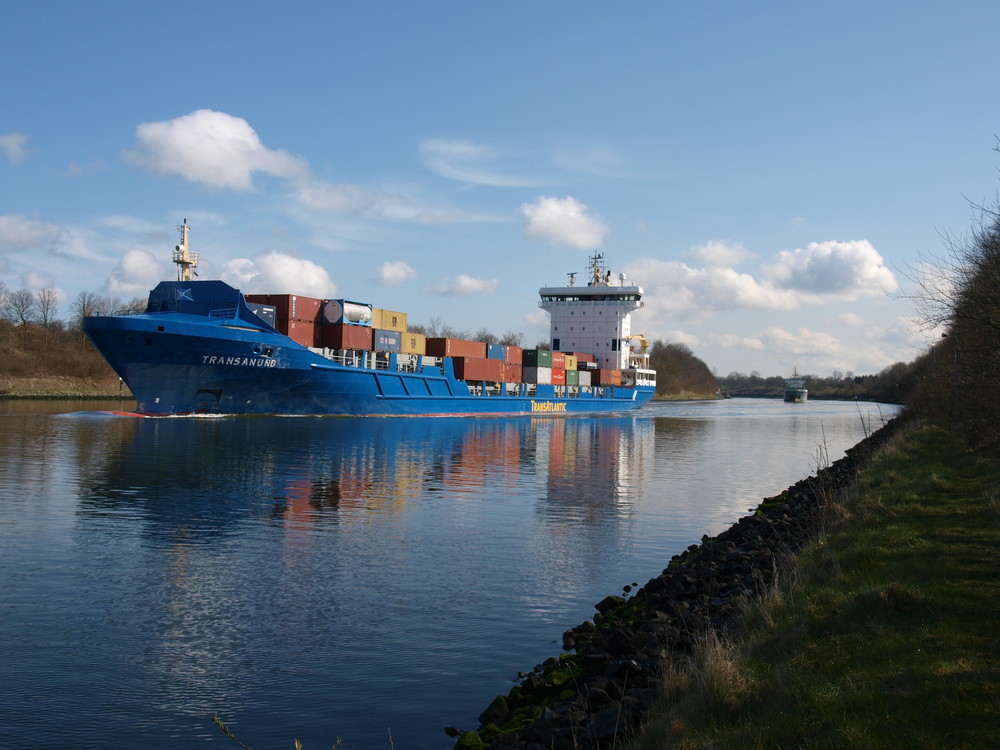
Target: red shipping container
point(301, 332)
point(260, 299)
point(439, 347)
point(341, 336)
point(559, 360)
point(607, 377)
point(558, 376)
point(478, 368)
point(512, 372)
point(514, 356)
point(296, 307)
point(585, 357)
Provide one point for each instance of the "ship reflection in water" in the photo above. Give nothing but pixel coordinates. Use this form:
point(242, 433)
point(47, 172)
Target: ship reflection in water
point(316, 578)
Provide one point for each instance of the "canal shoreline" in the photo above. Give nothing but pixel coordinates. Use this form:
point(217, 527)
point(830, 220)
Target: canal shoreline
point(600, 693)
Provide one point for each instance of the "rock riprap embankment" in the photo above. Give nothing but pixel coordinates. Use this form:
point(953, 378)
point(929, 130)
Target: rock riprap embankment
point(593, 697)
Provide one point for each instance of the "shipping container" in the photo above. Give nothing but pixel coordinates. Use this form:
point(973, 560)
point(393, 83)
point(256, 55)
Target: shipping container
point(559, 360)
point(345, 311)
point(388, 320)
point(413, 343)
point(558, 376)
point(299, 331)
point(439, 347)
point(496, 351)
point(605, 376)
point(512, 372)
point(584, 357)
point(538, 375)
point(572, 377)
point(478, 368)
point(537, 358)
point(514, 355)
point(571, 362)
point(263, 311)
point(584, 377)
point(343, 336)
point(296, 307)
point(386, 341)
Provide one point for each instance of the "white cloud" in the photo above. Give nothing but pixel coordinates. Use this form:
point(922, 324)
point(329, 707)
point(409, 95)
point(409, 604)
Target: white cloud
point(679, 289)
point(14, 145)
point(462, 160)
point(213, 148)
point(357, 200)
point(279, 273)
point(719, 254)
point(563, 221)
point(394, 272)
point(832, 270)
point(462, 285)
point(18, 232)
point(822, 273)
point(850, 319)
point(137, 271)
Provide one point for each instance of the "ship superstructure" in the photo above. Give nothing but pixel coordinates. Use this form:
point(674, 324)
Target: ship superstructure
point(598, 318)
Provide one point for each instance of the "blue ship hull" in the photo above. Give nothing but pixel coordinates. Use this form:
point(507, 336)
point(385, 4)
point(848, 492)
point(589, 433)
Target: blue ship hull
point(199, 348)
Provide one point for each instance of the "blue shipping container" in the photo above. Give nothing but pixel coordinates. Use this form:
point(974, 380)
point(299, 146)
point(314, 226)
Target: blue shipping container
point(386, 341)
point(496, 351)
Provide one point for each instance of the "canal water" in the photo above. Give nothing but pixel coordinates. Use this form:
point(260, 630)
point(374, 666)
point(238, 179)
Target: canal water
point(368, 579)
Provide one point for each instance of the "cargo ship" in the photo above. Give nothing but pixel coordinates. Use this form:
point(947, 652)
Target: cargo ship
point(203, 347)
point(795, 389)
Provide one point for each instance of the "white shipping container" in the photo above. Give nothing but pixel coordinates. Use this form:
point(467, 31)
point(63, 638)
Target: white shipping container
point(585, 377)
point(537, 375)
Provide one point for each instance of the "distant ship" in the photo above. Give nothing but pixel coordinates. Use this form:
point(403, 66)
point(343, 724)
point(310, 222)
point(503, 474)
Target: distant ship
point(795, 389)
point(202, 347)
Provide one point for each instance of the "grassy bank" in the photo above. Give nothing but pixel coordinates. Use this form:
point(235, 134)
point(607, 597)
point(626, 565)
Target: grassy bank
point(62, 386)
point(884, 635)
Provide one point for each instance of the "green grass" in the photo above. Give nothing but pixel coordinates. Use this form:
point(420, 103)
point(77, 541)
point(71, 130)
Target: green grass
point(886, 633)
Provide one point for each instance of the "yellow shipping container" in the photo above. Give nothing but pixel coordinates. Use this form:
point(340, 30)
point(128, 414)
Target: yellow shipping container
point(571, 362)
point(388, 320)
point(413, 343)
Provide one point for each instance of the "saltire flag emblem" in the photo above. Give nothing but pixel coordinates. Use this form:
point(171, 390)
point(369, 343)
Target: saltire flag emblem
point(184, 294)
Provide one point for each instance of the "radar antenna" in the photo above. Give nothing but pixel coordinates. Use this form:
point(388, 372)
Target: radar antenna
point(187, 262)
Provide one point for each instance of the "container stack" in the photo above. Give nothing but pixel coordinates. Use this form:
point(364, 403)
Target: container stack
point(347, 325)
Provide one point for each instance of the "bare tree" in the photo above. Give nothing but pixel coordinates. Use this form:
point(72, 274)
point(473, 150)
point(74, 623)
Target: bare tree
point(86, 305)
point(46, 305)
point(19, 306)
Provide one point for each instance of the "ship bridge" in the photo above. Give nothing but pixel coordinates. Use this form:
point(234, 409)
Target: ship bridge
point(596, 318)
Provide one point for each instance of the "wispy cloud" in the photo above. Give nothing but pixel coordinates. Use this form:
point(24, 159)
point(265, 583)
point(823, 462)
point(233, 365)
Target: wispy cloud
point(467, 161)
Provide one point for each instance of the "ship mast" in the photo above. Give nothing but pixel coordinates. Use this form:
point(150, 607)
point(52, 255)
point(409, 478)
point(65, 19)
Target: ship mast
point(186, 261)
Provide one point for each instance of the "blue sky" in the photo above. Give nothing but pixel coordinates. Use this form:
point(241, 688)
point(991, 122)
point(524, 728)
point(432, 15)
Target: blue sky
point(769, 174)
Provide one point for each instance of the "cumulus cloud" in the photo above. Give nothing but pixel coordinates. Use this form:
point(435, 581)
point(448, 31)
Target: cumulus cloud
point(137, 271)
point(821, 273)
point(563, 221)
point(463, 285)
point(832, 270)
point(677, 288)
point(14, 146)
point(213, 148)
point(394, 272)
point(279, 273)
point(718, 254)
point(19, 232)
point(464, 161)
